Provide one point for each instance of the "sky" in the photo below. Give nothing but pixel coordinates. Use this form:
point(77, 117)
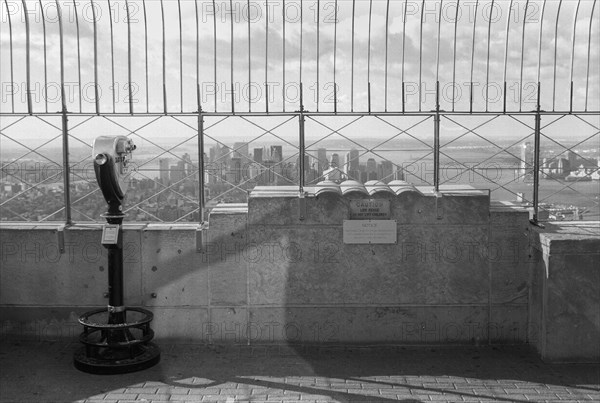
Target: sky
point(374, 45)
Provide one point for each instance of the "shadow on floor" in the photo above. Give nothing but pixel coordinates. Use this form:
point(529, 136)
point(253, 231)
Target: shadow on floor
point(43, 372)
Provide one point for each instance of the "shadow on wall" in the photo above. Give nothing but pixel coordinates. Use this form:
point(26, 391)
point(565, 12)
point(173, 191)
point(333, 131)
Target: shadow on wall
point(286, 287)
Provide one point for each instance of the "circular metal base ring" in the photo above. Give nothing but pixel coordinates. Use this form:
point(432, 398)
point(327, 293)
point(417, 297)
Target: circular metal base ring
point(145, 360)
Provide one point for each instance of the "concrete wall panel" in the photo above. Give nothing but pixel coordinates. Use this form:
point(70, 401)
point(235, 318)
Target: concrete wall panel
point(172, 269)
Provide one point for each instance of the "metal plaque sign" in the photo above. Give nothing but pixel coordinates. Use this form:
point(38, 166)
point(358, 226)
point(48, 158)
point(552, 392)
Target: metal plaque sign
point(370, 209)
point(370, 232)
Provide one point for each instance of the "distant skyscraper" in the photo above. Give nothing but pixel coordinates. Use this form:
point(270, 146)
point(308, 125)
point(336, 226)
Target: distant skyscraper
point(277, 153)
point(176, 172)
point(353, 160)
point(187, 164)
point(258, 155)
point(335, 161)
point(371, 169)
point(386, 171)
point(240, 150)
point(526, 162)
point(351, 165)
point(163, 166)
point(572, 157)
point(322, 162)
point(371, 165)
point(306, 164)
point(235, 171)
point(224, 155)
point(346, 164)
point(399, 174)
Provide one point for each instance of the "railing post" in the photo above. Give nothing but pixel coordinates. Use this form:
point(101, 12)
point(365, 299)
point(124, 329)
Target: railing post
point(201, 184)
point(302, 146)
point(65, 124)
point(66, 167)
point(436, 140)
point(201, 201)
point(536, 159)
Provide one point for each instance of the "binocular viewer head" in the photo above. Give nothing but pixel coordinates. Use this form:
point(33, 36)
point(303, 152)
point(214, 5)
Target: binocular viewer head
point(112, 155)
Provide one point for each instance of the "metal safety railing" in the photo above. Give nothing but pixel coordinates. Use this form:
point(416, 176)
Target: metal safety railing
point(327, 65)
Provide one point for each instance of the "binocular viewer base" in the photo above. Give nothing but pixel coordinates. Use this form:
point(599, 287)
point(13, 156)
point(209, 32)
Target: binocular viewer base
point(114, 346)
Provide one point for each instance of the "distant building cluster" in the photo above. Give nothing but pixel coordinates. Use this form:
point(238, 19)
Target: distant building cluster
point(267, 166)
point(567, 166)
point(33, 191)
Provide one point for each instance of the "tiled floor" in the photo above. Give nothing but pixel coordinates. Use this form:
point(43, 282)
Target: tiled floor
point(43, 372)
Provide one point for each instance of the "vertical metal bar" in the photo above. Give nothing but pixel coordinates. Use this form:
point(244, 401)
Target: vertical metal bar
point(301, 38)
point(129, 78)
point(504, 98)
point(267, 57)
point(335, 23)
point(506, 49)
point(198, 95)
point(250, 61)
point(573, 49)
point(454, 55)
point(522, 57)
point(215, 50)
point(164, 57)
point(436, 140)
point(10, 36)
point(352, 56)
point(146, 55)
point(471, 97)
point(403, 40)
point(587, 74)
point(473, 59)
point(369, 97)
point(180, 58)
point(112, 56)
point(301, 142)
point(437, 57)
point(369, 55)
point(421, 53)
point(45, 55)
point(318, 49)
point(283, 54)
point(536, 160)
point(27, 58)
point(96, 89)
point(540, 41)
point(65, 128)
point(487, 74)
point(201, 191)
point(387, 17)
point(555, 54)
point(62, 58)
point(571, 99)
point(231, 57)
point(403, 100)
point(78, 53)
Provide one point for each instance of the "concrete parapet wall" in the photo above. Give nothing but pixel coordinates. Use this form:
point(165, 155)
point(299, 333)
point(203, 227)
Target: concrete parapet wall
point(458, 274)
point(566, 291)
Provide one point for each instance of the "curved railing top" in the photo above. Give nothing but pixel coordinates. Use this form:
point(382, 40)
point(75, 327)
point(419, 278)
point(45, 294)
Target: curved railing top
point(281, 56)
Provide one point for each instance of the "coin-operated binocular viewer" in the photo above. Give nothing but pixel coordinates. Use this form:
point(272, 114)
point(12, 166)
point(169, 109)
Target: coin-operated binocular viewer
point(117, 338)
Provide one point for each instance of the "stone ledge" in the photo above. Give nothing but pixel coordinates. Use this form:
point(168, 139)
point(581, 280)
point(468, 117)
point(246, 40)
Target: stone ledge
point(567, 238)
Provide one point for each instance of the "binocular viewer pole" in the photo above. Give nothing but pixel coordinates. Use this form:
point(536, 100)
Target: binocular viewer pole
point(117, 338)
point(116, 303)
